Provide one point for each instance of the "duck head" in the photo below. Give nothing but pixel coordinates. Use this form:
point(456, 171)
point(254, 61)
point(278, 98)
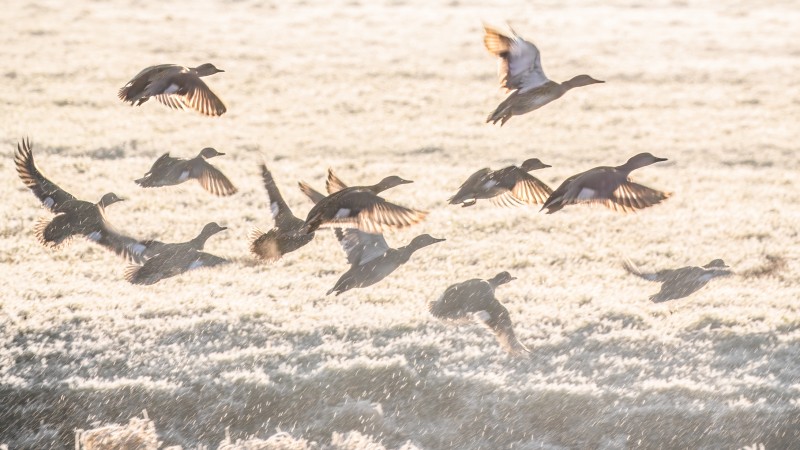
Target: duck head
point(206, 69)
point(533, 164)
point(501, 278)
point(390, 182)
point(717, 264)
point(424, 240)
point(579, 81)
point(210, 152)
point(212, 228)
point(641, 160)
point(109, 199)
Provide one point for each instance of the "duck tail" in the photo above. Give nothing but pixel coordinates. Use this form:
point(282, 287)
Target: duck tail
point(145, 181)
point(132, 274)
point(264, 245)
point(46, 236)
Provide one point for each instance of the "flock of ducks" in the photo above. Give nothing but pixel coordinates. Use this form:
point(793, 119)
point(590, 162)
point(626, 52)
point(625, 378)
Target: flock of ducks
point(358, 215)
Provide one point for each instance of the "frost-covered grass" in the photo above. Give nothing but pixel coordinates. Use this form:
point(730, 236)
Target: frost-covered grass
point(379, 88)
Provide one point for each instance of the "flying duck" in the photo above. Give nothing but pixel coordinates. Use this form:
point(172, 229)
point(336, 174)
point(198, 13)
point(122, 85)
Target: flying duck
point(169, 171)
point(73, 216)
point(520, 71)
point(510, 186)
point(474, 300)
point(286, 236)
point(608, 186)
point(682, 282)
point(170, 259)
point(360, 207)
point(175, 86)
point(371, 260)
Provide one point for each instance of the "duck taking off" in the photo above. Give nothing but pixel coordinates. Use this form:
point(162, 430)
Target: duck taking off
point(608, 186)
point(510, 186)
point(682, 282)
point(474, 300)
point(169, 171)
point(175, 86)
point(520, 71)
point(73, 216)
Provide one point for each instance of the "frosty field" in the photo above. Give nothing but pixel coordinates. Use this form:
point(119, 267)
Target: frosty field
point(376, 88)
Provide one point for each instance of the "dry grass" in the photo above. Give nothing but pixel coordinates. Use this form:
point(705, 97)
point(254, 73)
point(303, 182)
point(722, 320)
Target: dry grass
point(375, 88)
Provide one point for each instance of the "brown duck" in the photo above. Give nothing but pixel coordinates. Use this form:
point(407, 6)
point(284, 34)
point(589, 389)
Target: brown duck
point(682, 282)
point(171, 259)
point(371, 260)
point(474, 300)
point(608, 186)
point(520, 71)
point(73, 216)
point(175, 86)
point(360, 207)
point(169, 171)
point(510, 186)
point(287, 235)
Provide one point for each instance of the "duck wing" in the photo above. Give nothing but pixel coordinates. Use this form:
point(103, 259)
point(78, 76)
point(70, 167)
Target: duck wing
point(185, 90)
point(498, 321)
point(125, 246)
point(50, 194)
point(631, 268)
point(211, 178)
point(361, 247)
point(277, 205)
point(333, 183)
point(362, 209)
point(630, 197)
point(527, 190)
point(310, 192)
point(520, 65)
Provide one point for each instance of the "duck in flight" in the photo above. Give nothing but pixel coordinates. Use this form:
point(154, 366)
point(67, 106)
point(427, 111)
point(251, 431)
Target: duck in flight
point(520, 72)
point(474, 301)
point(361, 207)
point(166, 260)
point(682, 282)
point(510, 186)
point(73, 216)
point(608, 186)
point(169, 171)
point(175, 86)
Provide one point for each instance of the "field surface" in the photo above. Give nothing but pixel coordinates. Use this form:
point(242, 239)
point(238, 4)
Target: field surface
point(374, 88)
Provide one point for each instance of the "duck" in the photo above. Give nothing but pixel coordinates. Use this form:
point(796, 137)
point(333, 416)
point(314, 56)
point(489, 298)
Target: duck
point(175, 86)
point(681, 282)
point(73, 217)
point(360, 207)
point(370, 257)
point(520, 72)
point(286, 236)
point(510, 186)
point(165, 260)
point(608, 186)
point(169, 171)
point(474, 300)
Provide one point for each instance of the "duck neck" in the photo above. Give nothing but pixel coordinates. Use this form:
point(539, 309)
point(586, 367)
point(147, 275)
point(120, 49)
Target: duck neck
point(200, 241)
